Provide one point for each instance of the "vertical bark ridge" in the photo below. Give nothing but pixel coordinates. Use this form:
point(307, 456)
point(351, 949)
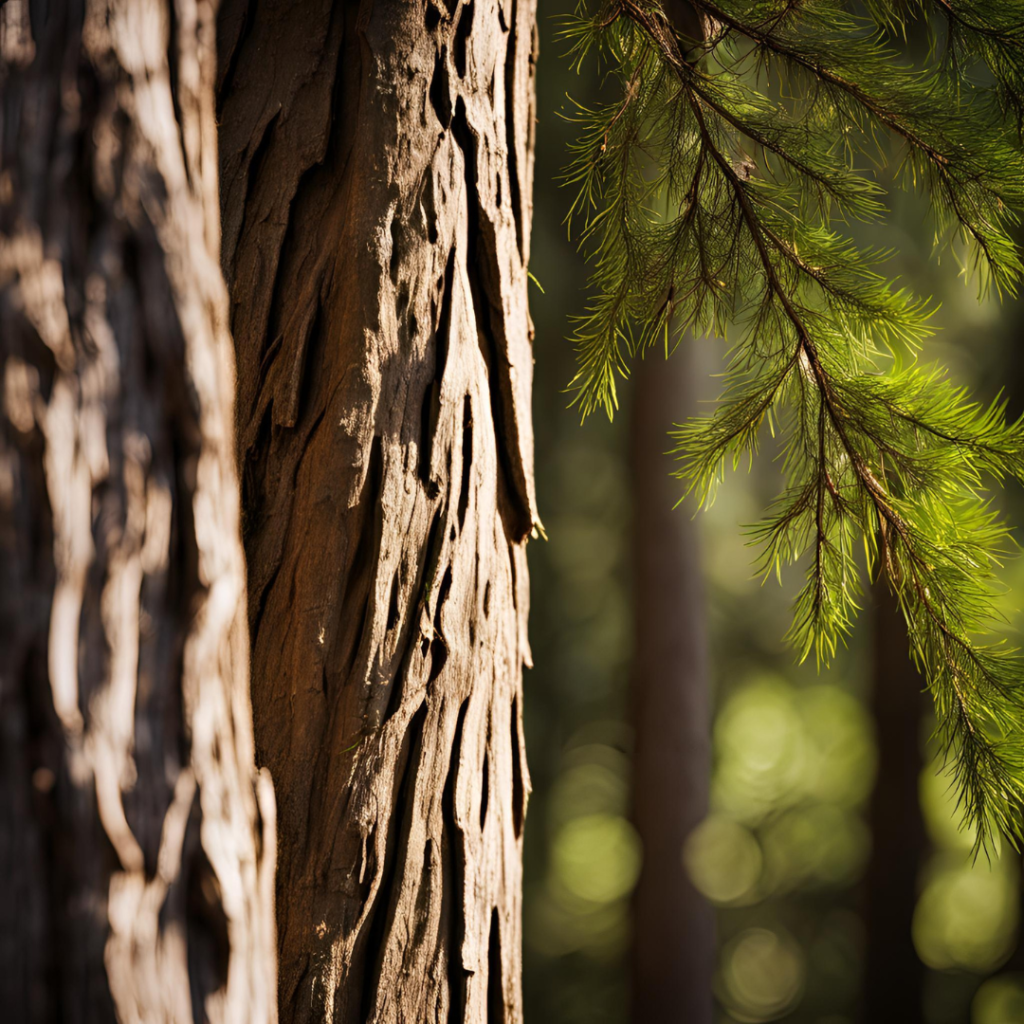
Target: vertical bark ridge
point(128, 776)
point(388, 486)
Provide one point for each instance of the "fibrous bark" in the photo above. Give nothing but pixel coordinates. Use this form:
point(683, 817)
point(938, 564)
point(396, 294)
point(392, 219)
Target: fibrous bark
point(376, 180)
point(673, 926)
point(136, 840)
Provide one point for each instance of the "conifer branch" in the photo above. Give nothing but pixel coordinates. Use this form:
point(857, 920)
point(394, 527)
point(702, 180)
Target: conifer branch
point(708, 202)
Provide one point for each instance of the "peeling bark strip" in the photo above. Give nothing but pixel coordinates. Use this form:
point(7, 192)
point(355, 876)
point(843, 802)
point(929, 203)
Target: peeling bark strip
point(136, 841)
point(377, 162)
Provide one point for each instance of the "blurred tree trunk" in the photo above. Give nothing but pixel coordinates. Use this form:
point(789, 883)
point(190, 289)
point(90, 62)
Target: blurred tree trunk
point(894, 974)
point(376, 165)
point(673, 941)
point(136, 841)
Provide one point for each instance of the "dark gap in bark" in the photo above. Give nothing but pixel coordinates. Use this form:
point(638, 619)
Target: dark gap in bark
point(206, 925)
point(402, 307)
point(510, 130)
point(484, 277)
point(382, 914)
point(234, 38)
point(463, 28)
point(358, 589)
point(173, 77)
point(518, 791)
point(467, 458)
point(422, 911)
point(439, 646)
point(435, 543)
point(256, 161)
point(396, 248)
point(428, 205)
point(431, 408)
point(450, 6)
point(434, 547)
point(398, 684)
point(512, 570)
point(30, 730)
point(442, 596)
point(432, 18)
point(183, 582)
point(487, 599)
point(34, 351)
point(271, 325)
point(444, 321)
point(360, 631)
point(253, 465)
point(368, 866)
point(266, 360)
point(495, 989)
point(439, 91)
point(485, 782)
point(348, 74)
point(393, 613)
point(454, 880)
point(310, 347)
point(438, 657)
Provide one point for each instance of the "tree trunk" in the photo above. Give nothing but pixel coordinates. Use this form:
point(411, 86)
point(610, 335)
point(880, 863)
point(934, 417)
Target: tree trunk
point(894, 974)
point(376, 179)
point(136, 841)
point(673, 925)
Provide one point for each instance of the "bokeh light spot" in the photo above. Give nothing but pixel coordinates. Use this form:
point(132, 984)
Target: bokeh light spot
point(723, 859)
point(967, 914)
point(597, 857)
point(762, 975)
point(999, 1001)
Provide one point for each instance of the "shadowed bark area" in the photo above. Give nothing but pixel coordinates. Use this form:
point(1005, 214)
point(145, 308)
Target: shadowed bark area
point(894, 974)
point(673, 926)
point(136, 841)
point(376, 179)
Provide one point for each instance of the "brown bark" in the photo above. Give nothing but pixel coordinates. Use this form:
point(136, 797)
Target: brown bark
point(673, 941)
point(376, 181)
point(894, 974)
point(136, 840)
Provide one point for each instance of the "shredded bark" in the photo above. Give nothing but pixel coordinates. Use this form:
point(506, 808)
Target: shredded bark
point(377, 165)
point(137, 843)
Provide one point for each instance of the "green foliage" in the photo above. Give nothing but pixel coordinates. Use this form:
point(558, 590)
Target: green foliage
point(715, 192)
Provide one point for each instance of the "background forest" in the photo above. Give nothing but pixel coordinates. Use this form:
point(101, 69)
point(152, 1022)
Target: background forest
point(802, 770)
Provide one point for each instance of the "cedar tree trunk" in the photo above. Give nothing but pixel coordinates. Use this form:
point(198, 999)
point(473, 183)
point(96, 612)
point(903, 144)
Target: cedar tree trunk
point(673, 942)
point(894, 974)
point(136, 841)
point(376, 171)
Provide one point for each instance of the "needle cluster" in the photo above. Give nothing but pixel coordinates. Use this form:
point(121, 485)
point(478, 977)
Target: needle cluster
point(715, 192)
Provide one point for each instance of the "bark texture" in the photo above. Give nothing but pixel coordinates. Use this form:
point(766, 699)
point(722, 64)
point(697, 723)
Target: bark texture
point(376, 179)
point(136, 840)
point(673, 926)
point(894, 974)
